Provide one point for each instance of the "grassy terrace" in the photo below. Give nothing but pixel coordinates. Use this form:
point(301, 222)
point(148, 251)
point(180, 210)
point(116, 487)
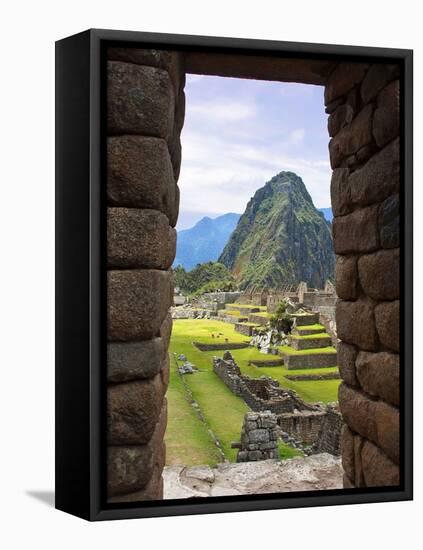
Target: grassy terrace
point(187, 438)
point(232, 312)
point(245, 306)
point(262, 314)
point(310, 336)
point(310, 327)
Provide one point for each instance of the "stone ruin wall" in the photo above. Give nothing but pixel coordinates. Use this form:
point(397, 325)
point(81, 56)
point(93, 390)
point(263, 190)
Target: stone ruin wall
point(255, 298)
point(260, 394)
point(259, 437)
point(363, 102)
point(321, 429)
point(329, 438)
point(221, 298)
point(145, 114)
point(321, 303)
point(304, 426)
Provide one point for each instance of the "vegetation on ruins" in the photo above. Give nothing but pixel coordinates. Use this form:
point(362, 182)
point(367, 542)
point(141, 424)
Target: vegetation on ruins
point(208, 277)
point(280, 320)
point(281, 238)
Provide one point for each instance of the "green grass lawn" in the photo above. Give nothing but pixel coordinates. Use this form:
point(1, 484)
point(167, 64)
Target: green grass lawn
point(224, 412)
point(285, 451)
point(187, 438)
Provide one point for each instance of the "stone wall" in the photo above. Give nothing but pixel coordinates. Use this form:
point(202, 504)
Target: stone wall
point(320, 429)
point(245, 329)
point(319, 299)
point(304, 426)
point(329, 438)
point(312, 361)
point(259, 436)
point(256, 298)
point(260, 394)
point(144, 118)
point(363, 102)
point(219, 346)
point(217, 299)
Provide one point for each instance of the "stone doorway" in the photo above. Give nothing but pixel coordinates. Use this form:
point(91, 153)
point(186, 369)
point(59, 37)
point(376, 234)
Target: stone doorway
point(146, 106)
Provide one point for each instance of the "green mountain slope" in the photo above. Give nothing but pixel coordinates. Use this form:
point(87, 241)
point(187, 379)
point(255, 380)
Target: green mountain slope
point(281, 238)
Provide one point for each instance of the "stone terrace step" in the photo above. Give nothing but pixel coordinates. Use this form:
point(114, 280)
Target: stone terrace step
point(267, 363)
point(258, 319)
point(223, 346)
point(245, 328)
point(306, 319)
point(248, 310)
point(307, 332)
point(310, 343)
point(310, 361)
point(237, 306)
point(233, 319)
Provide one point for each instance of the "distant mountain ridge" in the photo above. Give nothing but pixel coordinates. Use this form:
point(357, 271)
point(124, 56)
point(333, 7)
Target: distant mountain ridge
point(281, 238)
point(205, 241)
point(327, 212)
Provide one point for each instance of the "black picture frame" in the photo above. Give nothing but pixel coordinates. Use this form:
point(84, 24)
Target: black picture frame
point(80, 285)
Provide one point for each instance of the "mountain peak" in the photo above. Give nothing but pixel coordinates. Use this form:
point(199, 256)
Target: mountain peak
point(281, 238)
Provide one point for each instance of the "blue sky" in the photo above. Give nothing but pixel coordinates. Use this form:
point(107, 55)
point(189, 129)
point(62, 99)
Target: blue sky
point(239, 133)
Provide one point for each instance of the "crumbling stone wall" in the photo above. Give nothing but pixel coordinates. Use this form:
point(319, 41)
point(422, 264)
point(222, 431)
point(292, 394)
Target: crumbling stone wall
point(145, 112)
point(363, 102)
point(260, 394)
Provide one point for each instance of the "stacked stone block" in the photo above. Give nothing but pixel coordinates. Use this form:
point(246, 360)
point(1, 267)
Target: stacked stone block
point(258, 437)
point(363, 102)
point(145, 112)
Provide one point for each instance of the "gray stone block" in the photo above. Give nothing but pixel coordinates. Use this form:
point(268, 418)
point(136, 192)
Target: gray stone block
point(140, 175)
point(134, 360)
point(140, 100)
point(138, 302)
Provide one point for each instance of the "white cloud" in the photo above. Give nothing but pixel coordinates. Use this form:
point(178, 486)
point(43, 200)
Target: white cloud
point(222, 111)
point(236, 138)
point(222, 176)
point(297, 136)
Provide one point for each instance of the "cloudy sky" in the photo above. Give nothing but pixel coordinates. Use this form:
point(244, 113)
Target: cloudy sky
point(239, 133)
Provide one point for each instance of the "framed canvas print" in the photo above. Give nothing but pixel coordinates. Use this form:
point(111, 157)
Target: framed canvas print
point(234, 274)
